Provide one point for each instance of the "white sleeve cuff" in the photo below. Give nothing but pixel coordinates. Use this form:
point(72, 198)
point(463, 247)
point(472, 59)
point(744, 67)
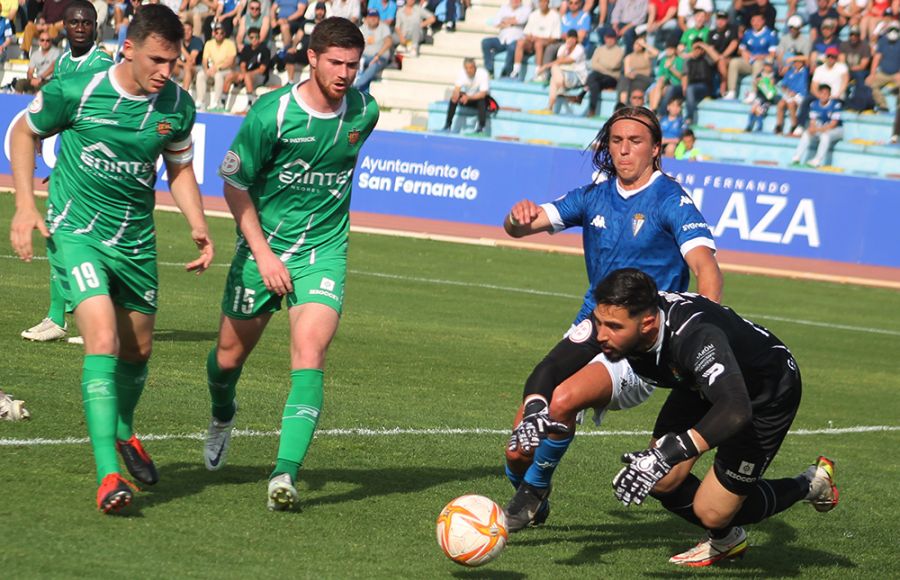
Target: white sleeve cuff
point(554, 217)
point(696, 243)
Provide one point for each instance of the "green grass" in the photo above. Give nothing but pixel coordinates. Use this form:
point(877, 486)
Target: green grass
point(433, 336)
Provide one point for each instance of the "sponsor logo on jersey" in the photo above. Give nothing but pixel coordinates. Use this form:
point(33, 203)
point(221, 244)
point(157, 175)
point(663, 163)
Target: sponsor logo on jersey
point(695, 226)
point(163, 128)
point(582, 332)
point(637, 222)
point(230, 164)
point(37, 103)
point(685, 200)
point(746, 467)
point(599, 222)
point(108, 162)
point(327, 284)
point(741, 478)
point(310, 139)
point(298, 172)
point(353, 137)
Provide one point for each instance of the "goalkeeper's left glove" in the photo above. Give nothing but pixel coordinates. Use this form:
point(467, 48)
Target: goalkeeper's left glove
point(644, 468)
point(535, 425)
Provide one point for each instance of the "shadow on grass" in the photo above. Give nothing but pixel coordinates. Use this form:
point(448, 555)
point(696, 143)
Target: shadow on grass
point(489, 574)
point(777, 555)
point(176, 335)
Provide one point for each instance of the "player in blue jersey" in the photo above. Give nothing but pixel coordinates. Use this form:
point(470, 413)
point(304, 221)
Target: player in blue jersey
point(635, 216)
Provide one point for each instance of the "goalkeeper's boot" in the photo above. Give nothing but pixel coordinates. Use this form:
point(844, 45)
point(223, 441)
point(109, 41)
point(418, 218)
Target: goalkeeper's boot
point(218, 438)
point(712, 550)
point(115, 493)
point(44, 331)
point(525, 506)
point(137, 461)
point(282, 493)
point(823, 493)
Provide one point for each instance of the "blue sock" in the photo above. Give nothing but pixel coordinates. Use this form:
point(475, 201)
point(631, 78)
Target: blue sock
point(514, 478)
point(546, 458)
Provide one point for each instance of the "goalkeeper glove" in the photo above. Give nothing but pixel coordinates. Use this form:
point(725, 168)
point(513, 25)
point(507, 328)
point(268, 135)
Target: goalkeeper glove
point(644, 468)
point(535, 425)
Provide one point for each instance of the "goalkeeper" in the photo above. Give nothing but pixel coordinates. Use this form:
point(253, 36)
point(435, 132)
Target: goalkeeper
point(735, 387)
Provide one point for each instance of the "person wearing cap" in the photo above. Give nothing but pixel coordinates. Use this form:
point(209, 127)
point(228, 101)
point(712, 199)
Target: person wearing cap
point(219, 56)
point(791, 44)
point(387, 11)
point(606, 68)
point(413, 21)
point(574, 18)
point(794, 87)
point(510, 19)
point(824, 11)
point(828, 39)
point(626, 17)
point(227, 14)
point(254, 18)
point(377, 53)
point(699, 74)
point(885, 64)
point(832, 73)
point(757, 45)
point(725, 40)
point(669, 72)
point(349, 9)
point(857, 55)
point(698, 29)
point(801, 8)
point(825, 126)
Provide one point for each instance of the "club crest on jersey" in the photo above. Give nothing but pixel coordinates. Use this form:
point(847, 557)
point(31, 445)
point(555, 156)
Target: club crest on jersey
point(353, 137)
point(230, 164)
point(582, 332)
point(637, 222)
point(163, 128)
point(37, 103)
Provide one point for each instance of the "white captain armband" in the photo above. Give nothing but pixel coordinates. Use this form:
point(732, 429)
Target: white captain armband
point(181, 152)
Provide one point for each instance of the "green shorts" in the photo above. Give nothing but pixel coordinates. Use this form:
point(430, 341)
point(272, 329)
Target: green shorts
point(86, 268)
point(246, 296)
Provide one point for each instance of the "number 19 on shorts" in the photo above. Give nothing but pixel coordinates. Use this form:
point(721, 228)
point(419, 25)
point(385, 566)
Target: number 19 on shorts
point(85, 276)
point(243, 300)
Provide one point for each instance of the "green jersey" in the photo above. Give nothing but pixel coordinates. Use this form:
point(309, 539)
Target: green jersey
point(93, 60)
point(103, 182)
point(297, 165)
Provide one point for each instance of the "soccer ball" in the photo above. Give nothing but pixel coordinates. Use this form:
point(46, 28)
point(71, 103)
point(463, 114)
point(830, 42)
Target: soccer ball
point(471, 530)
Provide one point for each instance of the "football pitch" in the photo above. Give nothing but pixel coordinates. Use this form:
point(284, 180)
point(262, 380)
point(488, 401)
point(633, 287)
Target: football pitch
point(420, 388)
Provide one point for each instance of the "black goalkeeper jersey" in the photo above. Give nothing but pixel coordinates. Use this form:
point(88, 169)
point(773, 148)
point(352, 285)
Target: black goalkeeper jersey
point(709, 348)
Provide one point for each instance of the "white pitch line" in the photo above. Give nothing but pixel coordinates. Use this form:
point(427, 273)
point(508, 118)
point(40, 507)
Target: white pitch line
point(529, 291)
point(397, 431)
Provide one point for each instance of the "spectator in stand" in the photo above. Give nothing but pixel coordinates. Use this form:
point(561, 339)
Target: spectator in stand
point(833, 73)
point(472, 88)
point(637, 71)
point(739, 8)
point(637, 98)
point(568, 70)
point(40, 66)
point(825, 126)
point(672, 126)
point(827, 39)
point(301, 41)
point(765, 93)
point(895, 134)
point(447, 16)
point(413, 21)
point(606, 69)
point(191, 51)
point(387, 11)
point(885, 64)
point(669, 72)
point(791, 44)
point(724, 39)
point(699, 29)
point(543, 27)
point(878, 14)
point(254, 18)
point(686, 11)
point(349, 9)
point(6, 38)
point(824, 11)
point(857, 55)
point(699, 75)
point(850, 12)
point(662, 23)
point(254, 67)
point(574, 18)
point(377, 53)
point(626, 16)
point(288, 20)
point(52, 12)
point(124, 12)
point(687, 149)
point(794, 88)
point(227, 14)
point(801, 8)
point(197, 12)
point(510, 19)
point(757, 45)
point(219, 56)
point(763, 7)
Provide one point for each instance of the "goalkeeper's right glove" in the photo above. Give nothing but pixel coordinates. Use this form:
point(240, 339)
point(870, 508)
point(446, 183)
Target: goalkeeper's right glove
point(535, 425)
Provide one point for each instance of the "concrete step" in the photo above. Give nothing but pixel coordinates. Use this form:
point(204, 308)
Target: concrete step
point(455, 52)
point(444, 78)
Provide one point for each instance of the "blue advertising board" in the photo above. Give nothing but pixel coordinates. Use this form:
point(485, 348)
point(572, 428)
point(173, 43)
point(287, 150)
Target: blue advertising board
point(752, 209)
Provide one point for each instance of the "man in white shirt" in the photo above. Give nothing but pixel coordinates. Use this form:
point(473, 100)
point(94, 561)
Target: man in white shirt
point(543, 27)
point(510, 19)
point(472, 88)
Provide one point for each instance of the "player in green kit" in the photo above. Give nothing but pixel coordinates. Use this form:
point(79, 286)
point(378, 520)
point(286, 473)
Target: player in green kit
point(288, 177)
point(83, 55)
point(99, 224)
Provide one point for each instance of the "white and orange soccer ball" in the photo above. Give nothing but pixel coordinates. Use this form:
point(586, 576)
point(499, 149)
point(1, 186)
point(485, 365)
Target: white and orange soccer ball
point(471, 530)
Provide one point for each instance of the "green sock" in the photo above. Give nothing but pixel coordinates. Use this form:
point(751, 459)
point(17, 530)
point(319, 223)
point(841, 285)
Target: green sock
point(98, 390)
point(57, 310)
point(130, 380)
point(222, 387)
point(298, 424)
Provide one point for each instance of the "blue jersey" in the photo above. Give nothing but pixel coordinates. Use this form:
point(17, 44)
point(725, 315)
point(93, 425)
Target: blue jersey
point(797, 80)
point(824, 114)
point(651, 228)
point(672, 128)
point(760, 43)
point(580, 21)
